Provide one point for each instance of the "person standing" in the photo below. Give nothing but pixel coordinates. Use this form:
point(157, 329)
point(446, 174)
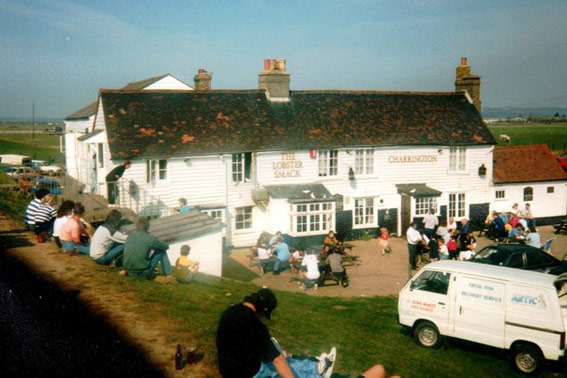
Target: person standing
point(430, 221)
point(413, 237)
point(112, 180)
point(143, 252)
point(245, 348)
point(465, 227)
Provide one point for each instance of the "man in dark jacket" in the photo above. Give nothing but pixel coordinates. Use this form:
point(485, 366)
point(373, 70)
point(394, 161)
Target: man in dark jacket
point(112, 179)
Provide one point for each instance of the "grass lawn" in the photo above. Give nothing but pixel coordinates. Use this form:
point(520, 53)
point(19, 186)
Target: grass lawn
point(554, 135)
point(43, 147)
point(12, 204)
point(364, 330)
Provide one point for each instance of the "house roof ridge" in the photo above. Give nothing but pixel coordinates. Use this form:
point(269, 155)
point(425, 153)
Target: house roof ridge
point(355, 91)
point(192, 91)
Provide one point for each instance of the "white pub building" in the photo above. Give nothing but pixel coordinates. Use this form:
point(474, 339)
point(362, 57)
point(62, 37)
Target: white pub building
point(301, 162)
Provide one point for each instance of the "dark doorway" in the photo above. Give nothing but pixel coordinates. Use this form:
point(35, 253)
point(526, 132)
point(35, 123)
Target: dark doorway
point(405, 212)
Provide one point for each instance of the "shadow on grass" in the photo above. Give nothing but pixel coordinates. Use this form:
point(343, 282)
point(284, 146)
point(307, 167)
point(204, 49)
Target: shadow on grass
point(46, 331)
point(14, 239)
point(233, 269)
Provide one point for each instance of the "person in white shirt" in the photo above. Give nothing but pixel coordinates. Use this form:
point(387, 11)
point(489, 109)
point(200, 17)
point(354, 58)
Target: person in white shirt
point(443, 250)
point(532, 238)
point(311, 275)
point(107, 243)
point(430, 221)
point(413, 237)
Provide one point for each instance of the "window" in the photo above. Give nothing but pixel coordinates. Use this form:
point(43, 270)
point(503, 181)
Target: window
point(457, 207)
point(215, 214)
point(241, 164)
point(550, 189)
point(457, 159)
point(500, 194)
point(313, 218)
point(423, 204)
point(328, 162)
point(528, 193)
point(243, 218)
point(156, 170)
point(100, 155)
point(364, 212)
point(434, 282)
point(364, 162)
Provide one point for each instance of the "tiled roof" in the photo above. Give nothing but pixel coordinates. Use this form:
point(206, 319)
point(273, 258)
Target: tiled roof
point(177, 123)
point(531, 163)
point(83, 113)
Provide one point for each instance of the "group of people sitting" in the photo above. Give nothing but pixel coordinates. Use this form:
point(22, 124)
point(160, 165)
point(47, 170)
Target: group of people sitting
point(514, 224)
point(139, 253)
point(440, 242)
point(313, 268)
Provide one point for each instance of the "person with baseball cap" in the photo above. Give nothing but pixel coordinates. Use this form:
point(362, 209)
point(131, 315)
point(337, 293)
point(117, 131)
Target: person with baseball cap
point(246, 350)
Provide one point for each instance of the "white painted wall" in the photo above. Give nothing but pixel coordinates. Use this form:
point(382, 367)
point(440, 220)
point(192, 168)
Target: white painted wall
point(168, 82)
point(206, 249)
point(543, 204)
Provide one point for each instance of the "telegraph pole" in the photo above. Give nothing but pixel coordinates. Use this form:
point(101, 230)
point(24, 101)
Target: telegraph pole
point(33, 120)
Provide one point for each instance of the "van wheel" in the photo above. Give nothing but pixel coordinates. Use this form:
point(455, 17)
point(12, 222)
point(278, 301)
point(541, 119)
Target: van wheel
point(427, 335)
point(527, 358)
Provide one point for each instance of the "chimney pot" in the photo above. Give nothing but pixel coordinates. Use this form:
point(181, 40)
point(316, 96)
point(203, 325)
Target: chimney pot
point(463, 61)
point(202, 70)
point(267, 64)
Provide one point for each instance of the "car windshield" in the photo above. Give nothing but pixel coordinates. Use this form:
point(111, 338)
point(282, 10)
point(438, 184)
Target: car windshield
point(490, 256)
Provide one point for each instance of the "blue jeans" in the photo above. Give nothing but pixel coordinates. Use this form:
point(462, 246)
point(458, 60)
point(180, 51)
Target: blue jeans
point(114, 253)
point(278, 263)
point(69, 245)
point(158, 256)
point(301, 368)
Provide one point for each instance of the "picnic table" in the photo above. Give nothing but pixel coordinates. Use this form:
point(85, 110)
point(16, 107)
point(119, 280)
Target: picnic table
point(561, 226)
point(345, 249)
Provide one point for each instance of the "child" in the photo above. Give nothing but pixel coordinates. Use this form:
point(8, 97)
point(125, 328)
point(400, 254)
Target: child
point(185, 269)
point(443, 250)
point(384, 242)
point(452, 247)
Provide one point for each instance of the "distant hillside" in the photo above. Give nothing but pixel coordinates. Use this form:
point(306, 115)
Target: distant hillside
point(511, 112)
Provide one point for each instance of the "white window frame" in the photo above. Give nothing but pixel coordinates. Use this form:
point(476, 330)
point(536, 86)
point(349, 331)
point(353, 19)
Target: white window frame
point(313, 218)
point(238, 167)
point(457, 205)
point(156, 170)
point(364, 161)
point(458, 159)
point(217, 214)
point(364, 213)
point(499, 194)
point(424, 204)
point(245, 224)
point(327, 163)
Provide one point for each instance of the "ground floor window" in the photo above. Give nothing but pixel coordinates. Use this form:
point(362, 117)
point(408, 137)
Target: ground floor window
point(550, 189)
point(500, 194)
point(364, 212)
point(243, 218)
point(424, 204)
point(528, 193)
point(316, 218)
point(457, 205)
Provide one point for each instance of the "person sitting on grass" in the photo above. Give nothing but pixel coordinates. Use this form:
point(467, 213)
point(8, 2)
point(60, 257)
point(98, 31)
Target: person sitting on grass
point(335, 261)
point(64, 213)
point(74, 235)
point(44, 218)
point(32, 208)
point(143, 252)
point(185, 269)
point(107, 243)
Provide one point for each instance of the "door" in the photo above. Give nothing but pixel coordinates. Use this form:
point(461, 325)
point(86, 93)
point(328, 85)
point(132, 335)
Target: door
point(428, 298)
point(405, 212)
point(480, 310)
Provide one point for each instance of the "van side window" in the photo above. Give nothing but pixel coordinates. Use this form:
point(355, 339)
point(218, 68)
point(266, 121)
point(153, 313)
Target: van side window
point(435, 282)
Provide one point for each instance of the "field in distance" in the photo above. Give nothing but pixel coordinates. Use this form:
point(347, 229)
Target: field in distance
point(554, 135)
point(40, 146)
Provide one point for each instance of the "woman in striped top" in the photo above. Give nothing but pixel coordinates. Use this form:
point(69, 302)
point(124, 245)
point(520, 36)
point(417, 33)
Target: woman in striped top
point(44, 218)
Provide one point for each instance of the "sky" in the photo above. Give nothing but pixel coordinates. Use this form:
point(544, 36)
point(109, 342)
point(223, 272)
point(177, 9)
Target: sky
point(58, 53)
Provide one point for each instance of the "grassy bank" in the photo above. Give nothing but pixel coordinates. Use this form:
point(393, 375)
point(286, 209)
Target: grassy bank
point(364, 330)
point(555, 136)
point(12, 203)
point(42, 147)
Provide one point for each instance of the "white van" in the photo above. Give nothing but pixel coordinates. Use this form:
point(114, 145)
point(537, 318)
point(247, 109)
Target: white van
point(521, 311)
point(15, 159)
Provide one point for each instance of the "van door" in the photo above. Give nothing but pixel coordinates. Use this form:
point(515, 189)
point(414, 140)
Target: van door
point(480, 310)
point(427, 298)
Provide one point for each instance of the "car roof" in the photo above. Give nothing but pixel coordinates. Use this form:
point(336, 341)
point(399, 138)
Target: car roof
point(494, 271)
point(512, 246)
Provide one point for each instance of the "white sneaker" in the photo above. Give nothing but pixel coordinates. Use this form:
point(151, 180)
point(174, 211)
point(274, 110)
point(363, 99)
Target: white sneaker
point(325, 365)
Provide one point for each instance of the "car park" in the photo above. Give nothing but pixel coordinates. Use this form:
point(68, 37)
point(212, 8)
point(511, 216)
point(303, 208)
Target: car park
point(523, 312)
point(18, 171)
point(517, 255)
point(51, 169)
point(48, 183)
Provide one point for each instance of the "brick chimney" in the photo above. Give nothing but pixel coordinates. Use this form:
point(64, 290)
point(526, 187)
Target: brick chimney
point(275, 80)
point(202, 80)
point(464, 81)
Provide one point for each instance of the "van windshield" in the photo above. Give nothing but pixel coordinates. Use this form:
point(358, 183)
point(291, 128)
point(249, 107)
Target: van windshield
point(491, 256)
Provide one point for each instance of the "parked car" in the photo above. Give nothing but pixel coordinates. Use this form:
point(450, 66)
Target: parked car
point(50, 184)
point(519, 256)
point(48, 169)
point(17, 172)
